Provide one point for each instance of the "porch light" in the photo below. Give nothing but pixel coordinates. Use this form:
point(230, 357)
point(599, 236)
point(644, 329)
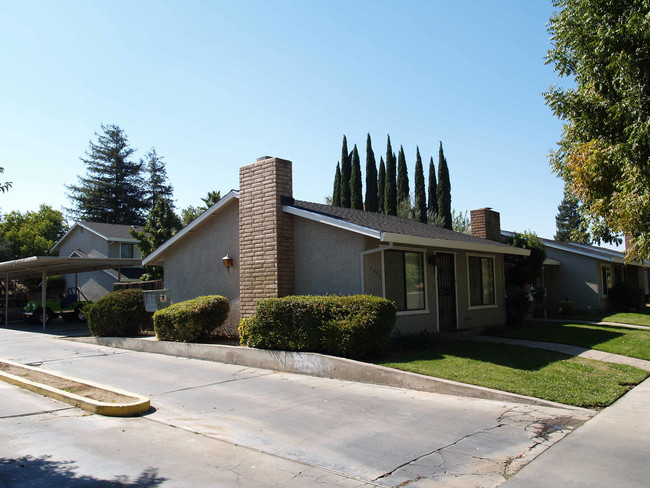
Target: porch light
point(227, 260)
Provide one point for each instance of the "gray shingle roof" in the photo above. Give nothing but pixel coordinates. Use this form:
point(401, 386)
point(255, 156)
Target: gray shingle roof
point(111, 231)
point(388, 223)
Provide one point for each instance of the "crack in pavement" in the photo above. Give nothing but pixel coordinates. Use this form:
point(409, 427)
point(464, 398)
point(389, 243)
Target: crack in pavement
point(211, 384)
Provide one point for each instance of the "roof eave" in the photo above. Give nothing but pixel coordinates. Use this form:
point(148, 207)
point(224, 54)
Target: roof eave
point(448, 244)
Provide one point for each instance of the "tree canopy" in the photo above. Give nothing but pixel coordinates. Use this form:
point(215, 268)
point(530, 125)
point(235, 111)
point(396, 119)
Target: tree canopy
point(6, 185)
point(31, 233)
point(604, 152)
point(113, 189)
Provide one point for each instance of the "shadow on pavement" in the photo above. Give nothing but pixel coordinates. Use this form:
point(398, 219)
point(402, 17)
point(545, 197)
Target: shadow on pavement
point(57, 329)
point(43, 471)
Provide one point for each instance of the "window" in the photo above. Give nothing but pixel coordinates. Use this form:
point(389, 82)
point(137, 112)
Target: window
point(126, 251)
point(404, 279)
point(481, 281)
point(606, 279)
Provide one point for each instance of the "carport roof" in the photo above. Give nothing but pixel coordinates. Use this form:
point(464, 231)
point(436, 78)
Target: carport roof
point(34, 266)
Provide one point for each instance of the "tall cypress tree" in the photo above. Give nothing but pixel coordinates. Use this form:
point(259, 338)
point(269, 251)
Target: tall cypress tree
point(390, 200)
point(372, 203)
point(356, 188)
point(381, 186)
point(444, 190)
point(113, 189)
point(336, 193)
point(346, 174)
point(403, 187)
point(420, 194)
point(432, 209)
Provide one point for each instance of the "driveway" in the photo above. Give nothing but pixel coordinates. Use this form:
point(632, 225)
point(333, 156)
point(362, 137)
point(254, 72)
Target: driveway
point(215, 424)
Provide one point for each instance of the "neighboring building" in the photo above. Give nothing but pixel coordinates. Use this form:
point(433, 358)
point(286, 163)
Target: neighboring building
point(439, 279)
point(584, 274)
point(96, 240)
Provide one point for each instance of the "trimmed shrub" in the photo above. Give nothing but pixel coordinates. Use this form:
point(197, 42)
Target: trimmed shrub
point(623, 296)
point(119, 314)
point(191, 321)
point(347, 326)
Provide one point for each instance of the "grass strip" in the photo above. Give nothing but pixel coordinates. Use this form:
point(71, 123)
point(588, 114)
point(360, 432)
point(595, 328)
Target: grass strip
point(634, 343)
point(620, 318)
point(533, 372)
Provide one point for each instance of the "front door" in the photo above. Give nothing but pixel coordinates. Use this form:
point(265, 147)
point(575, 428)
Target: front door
point(446, 292)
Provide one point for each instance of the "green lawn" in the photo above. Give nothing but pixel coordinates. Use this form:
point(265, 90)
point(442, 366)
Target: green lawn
point(532, 372)
point(621, 318)
point(617, 340)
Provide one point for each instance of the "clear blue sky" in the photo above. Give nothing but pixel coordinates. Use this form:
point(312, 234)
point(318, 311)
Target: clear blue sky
point(213, 85)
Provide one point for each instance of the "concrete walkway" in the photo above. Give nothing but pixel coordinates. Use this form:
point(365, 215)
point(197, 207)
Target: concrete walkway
point(567, 349)
point(587, 322)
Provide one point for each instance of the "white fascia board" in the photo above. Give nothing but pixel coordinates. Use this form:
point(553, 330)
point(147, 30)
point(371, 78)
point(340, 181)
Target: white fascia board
point(324, 219)
point(582, 252)
point(154, 258)
point(446, 244)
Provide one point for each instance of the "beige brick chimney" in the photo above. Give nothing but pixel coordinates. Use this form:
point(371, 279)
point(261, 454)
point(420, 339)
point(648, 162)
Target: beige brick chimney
point(486, 223)
point(265, 232)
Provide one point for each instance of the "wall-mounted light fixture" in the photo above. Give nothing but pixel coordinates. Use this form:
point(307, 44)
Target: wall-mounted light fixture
point(227, 260)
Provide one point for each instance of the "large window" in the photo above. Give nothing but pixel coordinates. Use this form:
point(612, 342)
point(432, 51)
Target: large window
point(481, 281)
point(606, 279)
point(126, 251)
point(405, 279)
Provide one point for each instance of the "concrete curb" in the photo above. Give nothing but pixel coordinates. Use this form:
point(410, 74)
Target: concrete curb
point(319, 365)
point(140, 405)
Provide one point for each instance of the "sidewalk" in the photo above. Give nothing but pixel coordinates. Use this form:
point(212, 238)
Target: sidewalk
point(611, 449)
point(588, 322)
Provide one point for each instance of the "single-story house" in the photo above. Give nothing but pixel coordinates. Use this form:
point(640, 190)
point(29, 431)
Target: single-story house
point(440, 280)
point(584, 274)
point(98, 240)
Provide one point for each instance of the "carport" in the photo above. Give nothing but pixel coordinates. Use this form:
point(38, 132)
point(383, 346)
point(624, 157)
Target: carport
point(43, 266)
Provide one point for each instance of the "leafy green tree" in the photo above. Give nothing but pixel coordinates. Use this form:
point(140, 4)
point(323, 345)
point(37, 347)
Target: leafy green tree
point(162, 224)
point(157, 185)
point(191, 213)
point(381, 186)
point(6, 185)
point(356, 189)
point(31, 233)
point(420, 194)
point(432, 208)
point(461, 221)
point(372, 202)
point(403, 188)
point(568, 221)
point(113, 189)
point(604, 47)
point(523, 270)
point(336, 193)
point(444, 190)
point(346, 174)
point(390, 190)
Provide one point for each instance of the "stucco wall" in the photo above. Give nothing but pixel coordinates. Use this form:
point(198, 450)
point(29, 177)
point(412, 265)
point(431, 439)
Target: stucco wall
point(576, 278)
point(327, 259)
point(194, 266)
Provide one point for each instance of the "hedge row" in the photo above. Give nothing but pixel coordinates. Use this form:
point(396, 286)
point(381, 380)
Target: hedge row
point(118, 314)
point(347, 326)
point(191, 321)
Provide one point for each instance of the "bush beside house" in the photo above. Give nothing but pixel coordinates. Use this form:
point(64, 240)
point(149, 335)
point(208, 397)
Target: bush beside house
point(119, 314)
point(191, 321)
point(624, 296)
point(347, 326)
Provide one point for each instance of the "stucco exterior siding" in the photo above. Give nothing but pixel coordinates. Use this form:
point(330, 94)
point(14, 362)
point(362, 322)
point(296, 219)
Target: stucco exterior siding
point(576, 278)
point(194, 266)
point(327, 259)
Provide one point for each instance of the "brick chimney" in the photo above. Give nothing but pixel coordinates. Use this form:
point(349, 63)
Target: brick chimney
point(486, 223)
point(265, 232)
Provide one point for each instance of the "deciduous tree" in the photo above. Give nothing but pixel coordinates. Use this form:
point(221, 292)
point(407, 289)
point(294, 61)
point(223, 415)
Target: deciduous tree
point(31, 233)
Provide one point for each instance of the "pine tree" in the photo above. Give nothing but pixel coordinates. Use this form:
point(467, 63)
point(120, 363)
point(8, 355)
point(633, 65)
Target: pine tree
point(420, 194)
point(162, 223)
point(403, 187)
point(444, 190)
point(346, 174)
point(157, 182)
point(569, 222)
point(372, 203)
point(336, 192)
point(390, 199)
point(356, 188)
point(432, 209)
point(381, 187)
point(113, 189)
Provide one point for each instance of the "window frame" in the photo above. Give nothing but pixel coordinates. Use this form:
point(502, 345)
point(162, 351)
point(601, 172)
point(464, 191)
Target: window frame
point(603, 289)
point(132, 250)
point(494, 283)
point(419, 311)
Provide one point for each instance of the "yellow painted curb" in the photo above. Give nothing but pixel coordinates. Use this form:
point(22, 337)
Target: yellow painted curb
point(140, 404)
